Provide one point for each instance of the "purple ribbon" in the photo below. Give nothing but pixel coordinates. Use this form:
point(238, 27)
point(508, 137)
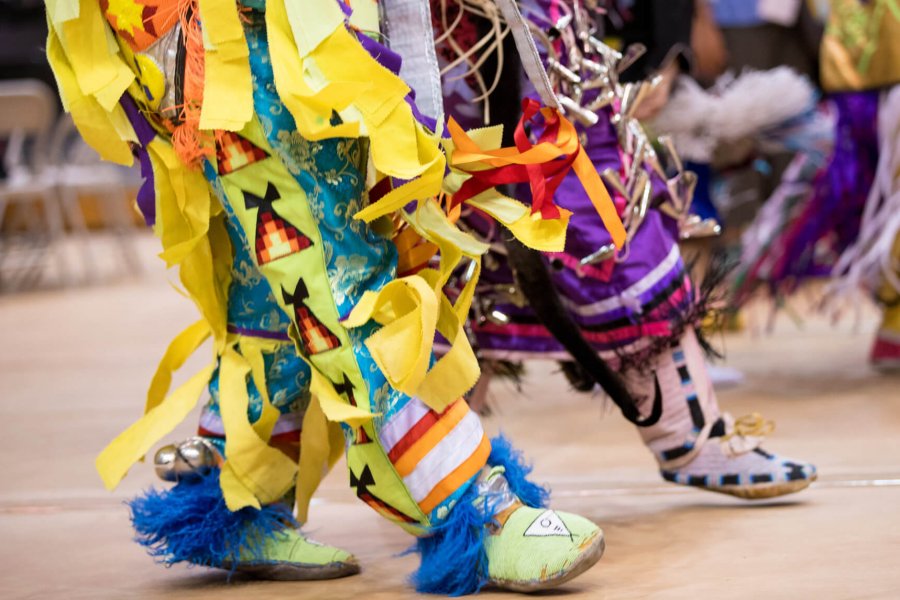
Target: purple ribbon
point(146, 196)
point(259, 333)
point(392, 61)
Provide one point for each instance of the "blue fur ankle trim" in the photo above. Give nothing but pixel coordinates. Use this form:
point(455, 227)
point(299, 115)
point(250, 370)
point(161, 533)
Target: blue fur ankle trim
point(454, 561)
point(504, 454)
point(191, 523)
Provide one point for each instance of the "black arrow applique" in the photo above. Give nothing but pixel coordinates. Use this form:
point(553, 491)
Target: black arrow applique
point(275, 236)
point(362, 484)
point(315, 338)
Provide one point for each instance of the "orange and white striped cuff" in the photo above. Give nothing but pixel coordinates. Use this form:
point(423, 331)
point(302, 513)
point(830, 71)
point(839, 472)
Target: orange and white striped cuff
point(435, 454)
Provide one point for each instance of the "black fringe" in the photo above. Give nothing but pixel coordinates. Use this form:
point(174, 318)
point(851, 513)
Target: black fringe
point(707, 315)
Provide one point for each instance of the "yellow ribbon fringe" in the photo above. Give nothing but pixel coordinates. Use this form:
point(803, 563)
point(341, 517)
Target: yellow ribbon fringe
point(106, 131)
point(320, 68)
point(226, 67)
point(412, 309)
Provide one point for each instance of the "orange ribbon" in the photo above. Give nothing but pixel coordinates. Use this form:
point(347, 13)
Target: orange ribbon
point(543, 166)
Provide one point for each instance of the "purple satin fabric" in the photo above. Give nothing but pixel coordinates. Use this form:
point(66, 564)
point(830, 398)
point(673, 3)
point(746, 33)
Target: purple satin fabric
point(146, 196)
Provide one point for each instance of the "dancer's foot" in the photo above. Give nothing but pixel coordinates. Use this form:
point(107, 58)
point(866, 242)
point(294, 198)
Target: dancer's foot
point(290, 556)
point(538, 548)
point(696, 444)
point(732, 462)
point(530, 549)
point(493, 538)
point(190, 522)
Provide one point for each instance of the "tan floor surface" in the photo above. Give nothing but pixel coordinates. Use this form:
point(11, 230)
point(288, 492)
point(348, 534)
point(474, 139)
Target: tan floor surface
point(74, 366)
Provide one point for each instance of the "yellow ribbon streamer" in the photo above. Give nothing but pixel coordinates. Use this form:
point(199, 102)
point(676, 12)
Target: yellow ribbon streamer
point(254, 473)
point(254, 350)
point(132, 444)
point(226, 68)
point(180, 349)
point(98, 127)
point(92, 50)
point(191, 237)
point(321, 446)
point(311, 109)
point(408, 309)
point(184, 203)
point(59, 11)
point(335, 408)
point(412, 309)
point(546, 235)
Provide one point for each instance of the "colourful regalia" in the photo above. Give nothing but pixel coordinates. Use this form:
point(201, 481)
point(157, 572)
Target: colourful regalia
point(330, 225)
point(301, 187)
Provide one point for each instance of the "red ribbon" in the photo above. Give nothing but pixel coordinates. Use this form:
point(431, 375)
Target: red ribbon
point(542, 178)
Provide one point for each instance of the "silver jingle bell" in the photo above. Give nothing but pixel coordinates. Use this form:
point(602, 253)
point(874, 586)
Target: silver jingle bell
point(164, 461)
point(191, 459)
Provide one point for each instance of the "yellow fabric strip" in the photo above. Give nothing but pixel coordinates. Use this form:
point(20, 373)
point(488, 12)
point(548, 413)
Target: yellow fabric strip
point(131, 445)
point(311, 109)
point(546, 235)
point(179, 350)
point(321, 445)
point(365, 15)
point(456, 372)
point(336, 408)
point(411, 313)
point(425, 186)
point(191, 237)
point(252, 350)
point(431, 222)
point(408, 309)
point(383, 107)
point(99, 69)
point(59, 11)
point(227, 75)
point(184, 208)
point(109, 95)
point(94, 123)
point(207, 283)
point(254, 473)
point(310, 32)
point(226, 79)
